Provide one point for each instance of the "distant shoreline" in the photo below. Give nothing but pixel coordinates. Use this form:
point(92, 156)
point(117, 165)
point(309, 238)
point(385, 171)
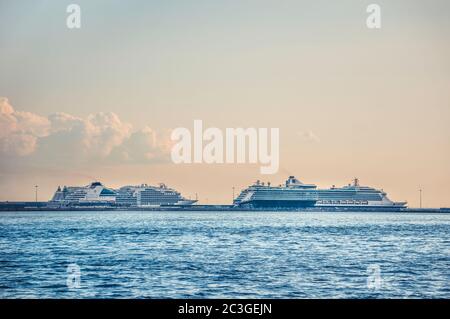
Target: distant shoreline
point(44, 206)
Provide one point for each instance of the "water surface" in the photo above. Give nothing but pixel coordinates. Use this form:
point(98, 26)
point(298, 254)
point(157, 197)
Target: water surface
point(225, 255)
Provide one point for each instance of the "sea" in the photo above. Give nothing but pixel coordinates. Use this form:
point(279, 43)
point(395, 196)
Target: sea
point(150, 254)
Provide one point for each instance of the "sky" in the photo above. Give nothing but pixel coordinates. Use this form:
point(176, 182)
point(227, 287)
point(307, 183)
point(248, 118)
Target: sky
point(99, 102)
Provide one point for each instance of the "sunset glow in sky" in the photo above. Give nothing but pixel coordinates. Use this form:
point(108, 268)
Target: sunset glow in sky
point(99, 102)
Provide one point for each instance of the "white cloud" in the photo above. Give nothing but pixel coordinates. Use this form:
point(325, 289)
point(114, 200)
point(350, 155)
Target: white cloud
point(19, 131)
point(18, 144)
point(63, 122)
point(64, 138)
point(32, 124)
point(75, 139)
point(103, 132)
point(143, 146)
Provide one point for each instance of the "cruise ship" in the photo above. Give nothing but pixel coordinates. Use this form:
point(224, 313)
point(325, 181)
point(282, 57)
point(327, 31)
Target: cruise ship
point(150, 196)
point(295, 194)
point(96, 194)
point(92, 193)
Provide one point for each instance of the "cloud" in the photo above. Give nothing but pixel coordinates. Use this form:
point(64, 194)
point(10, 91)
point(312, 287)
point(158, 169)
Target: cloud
point(19, 131)
point(308, 136)
point(103, 132)
point(64, 122)
point(75, 139)
point(142, 146)
point(67, 139)
point(18, 144)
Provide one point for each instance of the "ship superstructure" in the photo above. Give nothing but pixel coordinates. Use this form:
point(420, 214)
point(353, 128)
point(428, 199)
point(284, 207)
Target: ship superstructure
point(355, 195)
point(92, 193)
point(295, 194)
point(148, 196)
point(128, 196)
